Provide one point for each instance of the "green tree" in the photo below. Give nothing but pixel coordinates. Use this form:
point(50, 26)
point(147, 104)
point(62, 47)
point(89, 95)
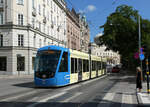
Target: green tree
point(121, 33)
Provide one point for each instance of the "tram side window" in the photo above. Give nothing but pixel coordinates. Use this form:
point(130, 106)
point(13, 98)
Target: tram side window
point(103, 64)
point(76, 65)
point(99, 65)
point(64, 63)
point(72, 65)
point(96, 65)
point(80, 65)
point(93, 65)
point(85, 66)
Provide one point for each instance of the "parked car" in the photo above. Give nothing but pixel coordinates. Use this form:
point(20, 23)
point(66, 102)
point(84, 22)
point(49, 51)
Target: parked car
point(115, 69)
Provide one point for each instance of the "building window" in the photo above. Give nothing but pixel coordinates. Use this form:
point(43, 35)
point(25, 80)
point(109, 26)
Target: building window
point(1, 40)
point(51, 6)
point(33, 22)
point(39, 9)
point(1, 1)
point(44, 28)
point(44, 12)
point(20, 19)
point(48, 30)
point(20, 40)
point(3, 63)
point(40, 26)
point(47, 15)
point(20, 63)
point(1, 18)
point(47, 2)
point(33, 60)
point(20, 2)
point(33, 4)
point(44, 41)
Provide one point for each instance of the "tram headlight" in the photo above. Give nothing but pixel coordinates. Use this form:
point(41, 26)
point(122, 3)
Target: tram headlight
point(43, 76)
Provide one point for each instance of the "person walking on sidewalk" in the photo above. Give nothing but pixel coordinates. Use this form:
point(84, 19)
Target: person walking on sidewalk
point(139, 78)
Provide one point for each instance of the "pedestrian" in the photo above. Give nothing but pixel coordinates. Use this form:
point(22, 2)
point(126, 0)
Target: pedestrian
point(139, 78)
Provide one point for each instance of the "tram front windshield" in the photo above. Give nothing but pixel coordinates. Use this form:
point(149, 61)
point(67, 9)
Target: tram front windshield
point(47, 61)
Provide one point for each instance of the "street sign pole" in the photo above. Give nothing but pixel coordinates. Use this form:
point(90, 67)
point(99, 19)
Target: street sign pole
point(140, 42)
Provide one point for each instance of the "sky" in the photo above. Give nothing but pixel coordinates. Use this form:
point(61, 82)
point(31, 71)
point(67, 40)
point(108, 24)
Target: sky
point(97, 11)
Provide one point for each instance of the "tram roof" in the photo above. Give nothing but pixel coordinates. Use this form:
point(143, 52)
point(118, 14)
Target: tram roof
point(52, 47)
point(79, 54)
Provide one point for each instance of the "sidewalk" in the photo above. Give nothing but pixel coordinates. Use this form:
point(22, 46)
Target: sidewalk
point(143, 97)
point(16, 76)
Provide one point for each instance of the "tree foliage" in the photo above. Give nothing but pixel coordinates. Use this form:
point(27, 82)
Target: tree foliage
point(121, 32)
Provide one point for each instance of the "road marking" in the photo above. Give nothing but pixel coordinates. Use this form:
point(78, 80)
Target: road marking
point(126, 100)
point(108, 97)
point(72, 87)
point(84, 82)
point(22, 95)
point(46, 99)
point(145, 98)
point(70, 98)
point(89, 81)
point(34, 99)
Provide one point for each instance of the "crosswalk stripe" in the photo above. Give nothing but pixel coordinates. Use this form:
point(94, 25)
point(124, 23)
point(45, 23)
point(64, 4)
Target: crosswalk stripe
point(107, 97)
point(46, 99)
point(19, 96)
point(71, 87)
point(126, 100)
point(70, 98)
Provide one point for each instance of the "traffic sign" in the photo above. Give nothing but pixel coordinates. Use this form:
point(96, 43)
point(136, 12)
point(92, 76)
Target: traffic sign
point(136, 55)
point(142, 57)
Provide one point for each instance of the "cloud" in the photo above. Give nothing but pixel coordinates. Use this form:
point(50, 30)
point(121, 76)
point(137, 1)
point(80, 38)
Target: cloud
point(89, 8)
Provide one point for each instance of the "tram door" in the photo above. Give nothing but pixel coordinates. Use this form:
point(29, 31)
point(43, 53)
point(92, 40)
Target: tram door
point(79, 69)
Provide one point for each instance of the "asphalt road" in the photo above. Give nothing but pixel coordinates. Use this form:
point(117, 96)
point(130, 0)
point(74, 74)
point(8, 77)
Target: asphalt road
point(114, 90)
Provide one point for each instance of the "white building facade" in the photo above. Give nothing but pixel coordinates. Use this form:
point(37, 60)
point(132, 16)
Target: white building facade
point(25, 26)
point(112, 57)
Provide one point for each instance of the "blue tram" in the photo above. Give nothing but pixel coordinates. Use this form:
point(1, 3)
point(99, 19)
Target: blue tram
point(58, 66)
